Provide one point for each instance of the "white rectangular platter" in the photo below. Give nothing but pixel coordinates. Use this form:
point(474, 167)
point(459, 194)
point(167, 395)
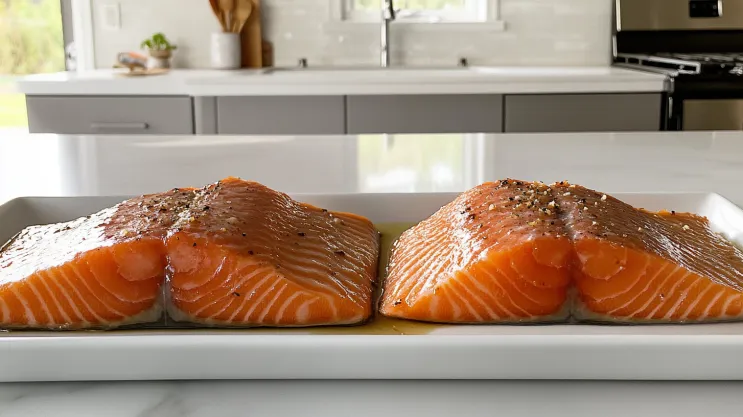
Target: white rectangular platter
point(658, 352)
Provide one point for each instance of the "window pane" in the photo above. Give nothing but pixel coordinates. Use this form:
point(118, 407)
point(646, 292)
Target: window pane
point(30, 42)
point(415, 4)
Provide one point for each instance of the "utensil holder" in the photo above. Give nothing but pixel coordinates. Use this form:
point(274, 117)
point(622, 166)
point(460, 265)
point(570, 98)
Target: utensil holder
point(225, 51)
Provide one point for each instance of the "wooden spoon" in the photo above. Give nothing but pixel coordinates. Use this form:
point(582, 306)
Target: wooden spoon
point(228, 8)
point(242, 14)
point(218, 13)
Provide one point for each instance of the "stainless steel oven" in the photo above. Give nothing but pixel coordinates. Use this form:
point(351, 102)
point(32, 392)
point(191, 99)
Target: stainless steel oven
point(698, 44)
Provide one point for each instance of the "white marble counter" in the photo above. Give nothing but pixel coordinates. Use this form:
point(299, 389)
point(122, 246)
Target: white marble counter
point(371, 399)
point(70, 165)
point(327, 81)
point(613, 162)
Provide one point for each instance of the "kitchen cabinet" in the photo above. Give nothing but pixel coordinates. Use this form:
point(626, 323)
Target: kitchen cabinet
point(446, 113)
point(110, 115)
point(362, 114)
point(583, 112)
point(281, 115)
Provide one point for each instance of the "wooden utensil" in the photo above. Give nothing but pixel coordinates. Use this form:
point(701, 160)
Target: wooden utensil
point(252, 40)
point(243, 11)
point(228, 9)
point(218, 13)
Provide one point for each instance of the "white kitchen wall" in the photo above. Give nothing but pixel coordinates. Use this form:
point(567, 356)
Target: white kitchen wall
point(538, 32)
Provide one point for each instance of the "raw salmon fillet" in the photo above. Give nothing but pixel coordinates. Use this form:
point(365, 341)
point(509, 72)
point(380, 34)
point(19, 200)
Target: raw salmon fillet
point(100, 271)
point(636, 266)
point(514, 251)
point(496, 254)
point(246, 255)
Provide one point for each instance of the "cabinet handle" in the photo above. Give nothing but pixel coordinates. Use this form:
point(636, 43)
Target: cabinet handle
point(119, 126)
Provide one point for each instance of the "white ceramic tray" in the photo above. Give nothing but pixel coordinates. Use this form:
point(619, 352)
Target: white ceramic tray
point(660, 352)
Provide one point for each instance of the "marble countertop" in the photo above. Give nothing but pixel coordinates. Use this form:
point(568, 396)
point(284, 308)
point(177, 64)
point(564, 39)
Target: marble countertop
point(611, 162)
point(621, 162)
point(349, 81)
point(371, 399)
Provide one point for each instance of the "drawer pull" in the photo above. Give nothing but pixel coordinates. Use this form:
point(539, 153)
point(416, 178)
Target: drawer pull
point(119, 126)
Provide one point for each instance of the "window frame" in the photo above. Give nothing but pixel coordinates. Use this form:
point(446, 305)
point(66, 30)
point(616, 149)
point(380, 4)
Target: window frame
point(77, 27)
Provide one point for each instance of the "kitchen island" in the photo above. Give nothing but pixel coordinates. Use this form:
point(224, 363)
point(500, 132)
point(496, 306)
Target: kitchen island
point(612, 162)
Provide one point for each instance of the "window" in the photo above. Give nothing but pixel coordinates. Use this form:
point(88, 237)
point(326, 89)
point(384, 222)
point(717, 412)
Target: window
point(457, 14)
point(421, 10)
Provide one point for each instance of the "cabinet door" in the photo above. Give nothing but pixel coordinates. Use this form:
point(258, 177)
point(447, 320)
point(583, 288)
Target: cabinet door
point(445, 113)
point(583, 112)
point(281, 115)
point(84, 115)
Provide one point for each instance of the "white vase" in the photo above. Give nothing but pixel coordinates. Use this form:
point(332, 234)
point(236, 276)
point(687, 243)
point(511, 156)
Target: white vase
point(225, 51)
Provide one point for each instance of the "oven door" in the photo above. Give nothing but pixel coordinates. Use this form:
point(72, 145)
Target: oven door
point(712, 102)
point(710, 114)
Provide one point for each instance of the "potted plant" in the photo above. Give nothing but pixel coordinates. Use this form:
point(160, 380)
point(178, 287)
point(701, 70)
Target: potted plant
point(160, 49)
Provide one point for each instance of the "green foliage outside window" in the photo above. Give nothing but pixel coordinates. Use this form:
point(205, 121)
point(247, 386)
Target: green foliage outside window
point(31, 37)
point(31, 42)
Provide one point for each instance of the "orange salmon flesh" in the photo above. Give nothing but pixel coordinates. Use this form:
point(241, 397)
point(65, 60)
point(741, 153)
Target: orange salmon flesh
point(239, 254)
point(514, 252)
point(234, 253)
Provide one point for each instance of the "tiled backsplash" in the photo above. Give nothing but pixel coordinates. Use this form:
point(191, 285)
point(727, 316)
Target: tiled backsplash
point(538, 33)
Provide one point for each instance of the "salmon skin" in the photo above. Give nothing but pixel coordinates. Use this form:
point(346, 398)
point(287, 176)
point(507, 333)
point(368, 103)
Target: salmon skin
point(514, 251)
point(245, 255)
point(234, 253)
point(101, 271)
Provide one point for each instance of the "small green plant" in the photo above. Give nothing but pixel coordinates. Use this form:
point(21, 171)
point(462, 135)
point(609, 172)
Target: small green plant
point(158, 42)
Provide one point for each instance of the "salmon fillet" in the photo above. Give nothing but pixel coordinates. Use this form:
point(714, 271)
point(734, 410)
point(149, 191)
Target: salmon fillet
point(100, 271)
point(234, 253)
point(246, 255)
point(636, 266)
point(498, 253)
